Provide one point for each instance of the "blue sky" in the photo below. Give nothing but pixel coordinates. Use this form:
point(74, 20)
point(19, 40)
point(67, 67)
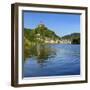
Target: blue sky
point(61, 24)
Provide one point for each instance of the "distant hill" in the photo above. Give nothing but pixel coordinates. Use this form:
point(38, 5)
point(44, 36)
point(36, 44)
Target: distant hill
point(74, 37)
point(71, 36)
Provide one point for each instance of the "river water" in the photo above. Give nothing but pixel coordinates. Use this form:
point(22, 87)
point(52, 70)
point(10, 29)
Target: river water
point(52, 60)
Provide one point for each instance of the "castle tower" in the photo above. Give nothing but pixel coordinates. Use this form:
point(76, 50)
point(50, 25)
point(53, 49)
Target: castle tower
point(41, 24)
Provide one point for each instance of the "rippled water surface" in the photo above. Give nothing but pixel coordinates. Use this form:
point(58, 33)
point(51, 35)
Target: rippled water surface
point(52, 60)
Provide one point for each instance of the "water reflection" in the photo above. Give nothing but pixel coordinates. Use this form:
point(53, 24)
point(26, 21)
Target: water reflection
point(51, 60)
point(41, 52)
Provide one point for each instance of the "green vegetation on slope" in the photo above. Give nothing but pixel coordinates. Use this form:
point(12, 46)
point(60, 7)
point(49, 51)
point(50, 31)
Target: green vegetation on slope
point(40, 34)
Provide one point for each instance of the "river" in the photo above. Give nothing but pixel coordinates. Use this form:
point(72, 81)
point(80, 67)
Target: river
point(52, 60)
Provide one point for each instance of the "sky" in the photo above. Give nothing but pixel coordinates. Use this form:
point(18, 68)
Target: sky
point(61, 24)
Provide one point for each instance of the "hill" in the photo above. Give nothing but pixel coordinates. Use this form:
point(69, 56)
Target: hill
point(74, 37)
point(41, 34)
